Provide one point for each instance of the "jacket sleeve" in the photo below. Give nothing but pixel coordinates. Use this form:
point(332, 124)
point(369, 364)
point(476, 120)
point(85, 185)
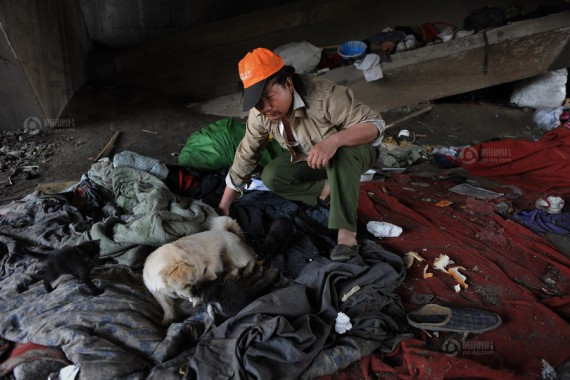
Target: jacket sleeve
point(248, 152)
point(344, 111)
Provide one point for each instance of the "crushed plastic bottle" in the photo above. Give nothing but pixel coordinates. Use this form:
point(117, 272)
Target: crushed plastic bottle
point(548, 118)
point(551, 204)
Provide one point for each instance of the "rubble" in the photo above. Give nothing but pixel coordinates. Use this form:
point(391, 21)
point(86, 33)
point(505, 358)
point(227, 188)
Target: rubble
point(25, 147)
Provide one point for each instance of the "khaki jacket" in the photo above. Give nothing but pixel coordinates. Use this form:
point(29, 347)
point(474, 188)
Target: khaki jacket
point(326, 109)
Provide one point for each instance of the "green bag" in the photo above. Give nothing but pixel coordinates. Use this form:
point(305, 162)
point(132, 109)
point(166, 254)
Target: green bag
point(213, 147)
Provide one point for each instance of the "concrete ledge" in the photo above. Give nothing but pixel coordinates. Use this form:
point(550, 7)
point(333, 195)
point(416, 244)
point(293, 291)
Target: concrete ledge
point(517, 51)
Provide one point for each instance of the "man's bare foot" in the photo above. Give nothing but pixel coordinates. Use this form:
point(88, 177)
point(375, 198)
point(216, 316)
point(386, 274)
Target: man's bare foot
point(346, 237)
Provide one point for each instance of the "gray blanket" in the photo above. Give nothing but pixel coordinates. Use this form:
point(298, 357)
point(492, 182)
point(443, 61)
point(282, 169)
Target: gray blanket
point(290, 334)
point(112, 335)
point(118, 334)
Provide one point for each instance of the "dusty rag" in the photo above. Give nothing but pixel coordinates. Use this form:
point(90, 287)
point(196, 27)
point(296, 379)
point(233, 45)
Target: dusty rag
point(542, 221)
point(543, 165)
point(370, 67)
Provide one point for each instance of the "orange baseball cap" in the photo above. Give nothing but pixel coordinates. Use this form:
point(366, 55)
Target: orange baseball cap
point(254, 69)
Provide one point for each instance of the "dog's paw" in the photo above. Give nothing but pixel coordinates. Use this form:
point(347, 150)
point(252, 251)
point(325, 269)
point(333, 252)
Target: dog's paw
point(209, 276)
point(214, 308)
point(230, 277)
point(167, 319)
point(95, 291)
point(211, 311)
point(21, 288)
point(196, 301)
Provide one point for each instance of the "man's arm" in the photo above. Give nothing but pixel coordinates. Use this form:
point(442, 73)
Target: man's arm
point(245, 160)
point(358, 134)
point(226, 201)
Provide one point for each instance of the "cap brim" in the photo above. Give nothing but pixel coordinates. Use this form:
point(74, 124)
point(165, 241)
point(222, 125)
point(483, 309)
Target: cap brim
point(252, 94)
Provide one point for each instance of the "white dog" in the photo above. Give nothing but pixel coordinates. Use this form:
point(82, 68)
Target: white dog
point(171, 270)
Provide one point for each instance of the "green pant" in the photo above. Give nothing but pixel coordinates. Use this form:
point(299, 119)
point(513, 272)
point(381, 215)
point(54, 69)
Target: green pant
point(298, 182)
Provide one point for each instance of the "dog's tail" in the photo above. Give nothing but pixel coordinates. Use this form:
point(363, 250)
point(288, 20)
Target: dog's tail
point(225, 223)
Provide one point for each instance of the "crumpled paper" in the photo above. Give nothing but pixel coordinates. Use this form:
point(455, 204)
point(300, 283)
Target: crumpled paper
point(342, 324)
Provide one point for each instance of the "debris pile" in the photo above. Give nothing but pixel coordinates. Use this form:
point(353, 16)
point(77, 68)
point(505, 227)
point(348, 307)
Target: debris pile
point(24, 148)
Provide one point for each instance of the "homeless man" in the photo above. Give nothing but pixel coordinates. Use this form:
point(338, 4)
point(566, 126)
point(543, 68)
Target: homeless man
point(330, 139)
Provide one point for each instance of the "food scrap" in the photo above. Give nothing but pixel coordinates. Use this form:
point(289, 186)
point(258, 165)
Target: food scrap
point(426, 273)
point(409, 258)
point(460, 278)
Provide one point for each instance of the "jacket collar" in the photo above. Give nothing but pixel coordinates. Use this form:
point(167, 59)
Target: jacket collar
point(298, 105)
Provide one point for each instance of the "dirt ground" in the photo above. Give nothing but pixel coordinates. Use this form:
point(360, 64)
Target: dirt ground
point(157, 127)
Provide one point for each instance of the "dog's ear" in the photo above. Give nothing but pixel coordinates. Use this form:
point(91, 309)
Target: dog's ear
point(179, 273)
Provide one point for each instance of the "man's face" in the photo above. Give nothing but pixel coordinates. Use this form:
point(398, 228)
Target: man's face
point(276, 100)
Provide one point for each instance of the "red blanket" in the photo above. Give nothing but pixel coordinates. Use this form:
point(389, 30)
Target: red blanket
point(510, 271)
point(543, 165)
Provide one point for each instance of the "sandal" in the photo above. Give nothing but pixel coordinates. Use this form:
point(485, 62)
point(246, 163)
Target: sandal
point(457, 319)
point(342, 252)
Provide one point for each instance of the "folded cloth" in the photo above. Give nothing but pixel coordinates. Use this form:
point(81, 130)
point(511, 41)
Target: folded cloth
point(542, 221)
point(543, 165)
point(464, 320)
point(370, 66)
point(138, 161)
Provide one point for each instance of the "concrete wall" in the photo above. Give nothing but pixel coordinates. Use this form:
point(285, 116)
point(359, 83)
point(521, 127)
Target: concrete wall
point(17, 98)
point(201, 63)
point(127, 22)
point(43, 54)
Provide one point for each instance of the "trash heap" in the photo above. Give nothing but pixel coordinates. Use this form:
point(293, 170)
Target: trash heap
point(22, 150)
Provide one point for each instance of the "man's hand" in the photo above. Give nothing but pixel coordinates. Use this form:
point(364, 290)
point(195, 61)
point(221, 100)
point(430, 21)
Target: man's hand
point(321, 153)
point(226, 201)
point(223, 211)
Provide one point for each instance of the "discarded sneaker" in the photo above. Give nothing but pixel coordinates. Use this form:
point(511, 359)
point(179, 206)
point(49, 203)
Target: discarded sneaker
point(342, 252)
point(462, 320)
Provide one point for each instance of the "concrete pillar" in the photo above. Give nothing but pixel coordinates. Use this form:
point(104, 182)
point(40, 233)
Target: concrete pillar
point(43, 60)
